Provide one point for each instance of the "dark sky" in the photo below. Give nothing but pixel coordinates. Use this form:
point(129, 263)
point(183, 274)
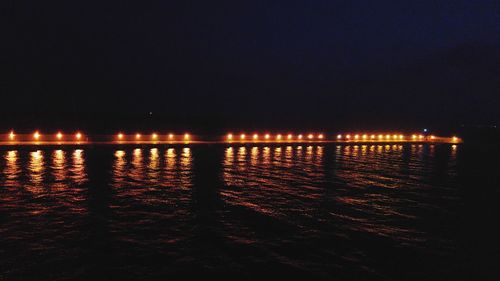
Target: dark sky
point(327, 64)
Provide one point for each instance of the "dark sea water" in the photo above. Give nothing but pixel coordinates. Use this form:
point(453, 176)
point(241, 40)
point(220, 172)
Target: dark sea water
point(329, 212)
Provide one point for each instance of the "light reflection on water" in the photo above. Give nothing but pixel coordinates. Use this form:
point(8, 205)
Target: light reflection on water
point(12, 168)
point(318, 206)
point(78, 173)
point(171, 170)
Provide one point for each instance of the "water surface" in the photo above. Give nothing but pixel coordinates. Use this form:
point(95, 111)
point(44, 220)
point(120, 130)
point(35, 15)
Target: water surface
point(349, 212)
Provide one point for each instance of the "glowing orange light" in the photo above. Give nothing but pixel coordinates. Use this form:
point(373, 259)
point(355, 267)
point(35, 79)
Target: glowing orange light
point(395, 136)
point(278, 137)
point(365, 136)
point(310, 136)
point(388, 137)
point(78, 136)
point(380, 137)
point(186, 136)
point(339, 137)
point(433, 137)
point(267, 136)
point(255, 136)
point(320, 136)
point(242, 136)
point(137, 136)
point(372, 137)
point(401, 137)
point(170, 136)
point(290, 136)
point(12, 135)
point(154, 136)
point(348, 136)
point(455, 138)
point(299, 137)
point(120, 136)
point(356, 137)
point(229, 136)
point(413, 136)
point(420, 137)
point(36, 135)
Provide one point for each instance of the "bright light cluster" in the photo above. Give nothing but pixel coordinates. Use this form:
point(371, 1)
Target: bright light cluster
point(58, 136)
point(386, 137)
point(269, 137)
point(153, 137)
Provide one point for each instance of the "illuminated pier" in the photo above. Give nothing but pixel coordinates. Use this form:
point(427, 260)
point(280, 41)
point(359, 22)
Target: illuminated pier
point(80, 138)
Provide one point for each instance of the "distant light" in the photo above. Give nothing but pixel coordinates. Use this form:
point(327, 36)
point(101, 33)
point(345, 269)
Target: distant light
point(138, 136)
point(372, 137)
point(255, 136)
point(413, 136)
point(433, 137)
point(339, 137)
point(380, 136)
point(12, 135)
point(299, 137)
point(420, 136)
point(310, 136)
point(320, 136)
point(425, 130)
point(267, 136)
point(278, 137)
point(120, 136)
point(154, 136)
point(59, 135)
point(290, 136)
point(186, 136)
point(36, 135)
point(242, 136)
point(348, 136)
point(395, 136)
point(401, 137)
point(388, 137)
point(229, 136)
point(78, 136)
point(455, 138)
point(365, 136)
point(170, 136)
point(356, 136)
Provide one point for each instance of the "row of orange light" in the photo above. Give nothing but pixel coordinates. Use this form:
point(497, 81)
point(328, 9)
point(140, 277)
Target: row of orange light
point(154, 136)
point(78, 136)
point(384, 137)
point(242, 137)
point(37, 136)
point(379, 137)
point(256, 137)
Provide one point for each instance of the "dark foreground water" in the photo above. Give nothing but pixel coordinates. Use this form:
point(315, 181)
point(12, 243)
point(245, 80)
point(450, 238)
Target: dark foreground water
point(332, 212)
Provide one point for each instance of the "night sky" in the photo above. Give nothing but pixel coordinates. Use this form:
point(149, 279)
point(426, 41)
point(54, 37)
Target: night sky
point(210, 65)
